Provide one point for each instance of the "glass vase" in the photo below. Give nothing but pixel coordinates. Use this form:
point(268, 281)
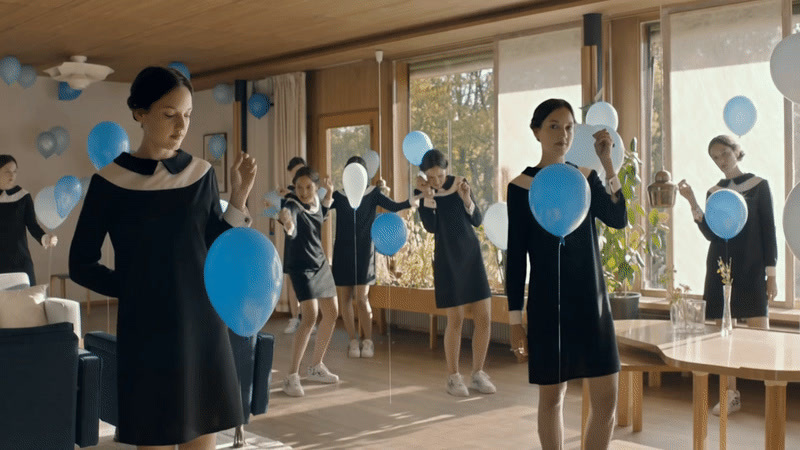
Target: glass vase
point(727, 321)
point(677, 316)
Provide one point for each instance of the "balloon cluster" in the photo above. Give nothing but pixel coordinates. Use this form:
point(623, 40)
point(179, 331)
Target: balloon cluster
point(54, 203)
point(54, 141)
point(12, 70)
point(601, 115)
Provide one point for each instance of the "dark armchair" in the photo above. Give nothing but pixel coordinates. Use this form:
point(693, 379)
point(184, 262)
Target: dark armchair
point(50, 389)
point(253, 358)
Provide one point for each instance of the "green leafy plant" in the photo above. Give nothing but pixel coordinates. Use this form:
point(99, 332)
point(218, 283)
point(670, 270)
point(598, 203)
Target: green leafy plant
point(675, 294)
point(623, 250)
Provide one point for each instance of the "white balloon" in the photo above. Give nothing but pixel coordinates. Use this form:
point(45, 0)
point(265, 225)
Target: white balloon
point(373, 160)
point(223, 204)
point(44, 204)
point(602, 113)
point(791, 220)
point(783, 67)
point(495, 225)
point(354, 180)
point(583, 154)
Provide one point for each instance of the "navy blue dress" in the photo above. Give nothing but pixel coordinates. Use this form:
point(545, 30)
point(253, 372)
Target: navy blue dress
point(587, 339)
point(176, 374)
point(306, 263)
point(751, 251)
point(353, 250)
point(17, 216)
point(459, 276)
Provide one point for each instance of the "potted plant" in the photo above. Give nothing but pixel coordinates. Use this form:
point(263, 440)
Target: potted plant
point(623, 250)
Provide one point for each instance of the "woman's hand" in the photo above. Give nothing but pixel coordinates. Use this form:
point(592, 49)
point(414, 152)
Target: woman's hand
point(686, 190)
point(772, 288)
point(49, 241)
point(327, 183)
point(283, 192)
point(519, 342)
point(602, 146)
point(243, 175)
point(285, 218)
point(463, 192)
point(422, 185)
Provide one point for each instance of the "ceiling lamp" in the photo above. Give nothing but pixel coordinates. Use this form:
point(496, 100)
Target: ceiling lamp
point(78, 73)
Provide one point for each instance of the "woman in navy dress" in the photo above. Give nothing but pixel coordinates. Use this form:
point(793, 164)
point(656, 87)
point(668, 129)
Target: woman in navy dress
point(448, 210)
point(160, 206)
point(354, 259)
point(753, 252)
point(579, 342)
point(17, 216)
point(308, 269)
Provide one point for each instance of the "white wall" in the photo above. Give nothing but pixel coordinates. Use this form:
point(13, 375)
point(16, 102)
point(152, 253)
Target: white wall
point(24, 113)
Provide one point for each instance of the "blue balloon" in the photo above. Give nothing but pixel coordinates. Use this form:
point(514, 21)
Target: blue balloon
point(415, 145)
point(740, 115)
point(46, 144)
point(223, 93)
point(62, 139)
point(271, 212)
point(27, 76)
point(107, 140)
point(389, 233)
point(726, 213)
point(243, 276)
point(66, 93)
point(559, 199)
point(180, 67)
point(68, 193)
point(217, 145)
point(258, 105)
point(10, 69)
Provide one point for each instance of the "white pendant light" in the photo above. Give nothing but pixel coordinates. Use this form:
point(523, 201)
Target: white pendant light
point(78, 73)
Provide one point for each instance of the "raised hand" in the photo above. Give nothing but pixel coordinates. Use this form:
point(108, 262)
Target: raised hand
point(602, 146)
point(463, 192)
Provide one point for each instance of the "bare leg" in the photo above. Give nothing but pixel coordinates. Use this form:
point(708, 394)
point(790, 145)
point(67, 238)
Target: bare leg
point(603, 398)
point(551, 415)
point(294, 305)
point(309, 310)
point(204, 442)
point(345, 294)
point(330, 310)
point(482, 317)
point(155, 447)
point(364, 310)
point(452, 337)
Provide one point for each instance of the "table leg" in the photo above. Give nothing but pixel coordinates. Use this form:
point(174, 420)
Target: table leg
point(88, 301)
point(63, 288)
point(433, 328)
point(775, 415)
point(380, 315)
point(623, 402)
point(637, 389)
point(700, 400)
point(654, 379)
point(723, 412)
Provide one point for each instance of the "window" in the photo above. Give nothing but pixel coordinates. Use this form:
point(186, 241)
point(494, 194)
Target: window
point(715, 54)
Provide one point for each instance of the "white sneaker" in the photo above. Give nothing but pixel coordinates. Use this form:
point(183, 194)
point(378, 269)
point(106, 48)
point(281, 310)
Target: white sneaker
point(734, 403)
point(481, 383)
point(294, 322)
point(321, 374)
point(355, 349)
point(292, 386)
point(456, 386)
point(367, 349)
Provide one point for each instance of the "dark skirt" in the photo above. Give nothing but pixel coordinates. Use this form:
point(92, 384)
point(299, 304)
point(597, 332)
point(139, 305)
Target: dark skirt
point(311, 284)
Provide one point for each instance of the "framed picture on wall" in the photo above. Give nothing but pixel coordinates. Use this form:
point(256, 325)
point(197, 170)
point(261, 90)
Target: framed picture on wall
point(215, 151)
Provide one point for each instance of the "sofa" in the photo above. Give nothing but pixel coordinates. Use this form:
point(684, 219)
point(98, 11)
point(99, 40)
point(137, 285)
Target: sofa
point(50, 388)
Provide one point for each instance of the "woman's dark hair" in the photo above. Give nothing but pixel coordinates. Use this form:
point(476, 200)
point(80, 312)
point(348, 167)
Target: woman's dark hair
point(152, 83)
point(5, 159)
point(727, 141)
point(306, 171)
point(295, 162)
point(356, 159)
point(545, 108)
point(433, 158)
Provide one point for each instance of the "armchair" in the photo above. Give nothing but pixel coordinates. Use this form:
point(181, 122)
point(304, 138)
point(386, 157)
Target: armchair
point(50, 388)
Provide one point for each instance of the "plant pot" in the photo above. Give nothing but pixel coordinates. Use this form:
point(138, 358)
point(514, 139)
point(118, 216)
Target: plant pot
point(624, 305)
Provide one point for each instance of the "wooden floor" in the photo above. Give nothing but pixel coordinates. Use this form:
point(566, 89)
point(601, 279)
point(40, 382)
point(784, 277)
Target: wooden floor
point(401, 402)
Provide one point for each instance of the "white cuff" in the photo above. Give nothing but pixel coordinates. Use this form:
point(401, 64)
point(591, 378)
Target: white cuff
point(515, 317)
point(471, 209)
point(237, 218)
point(613, 185)
point(327, 203)
point(771, 271)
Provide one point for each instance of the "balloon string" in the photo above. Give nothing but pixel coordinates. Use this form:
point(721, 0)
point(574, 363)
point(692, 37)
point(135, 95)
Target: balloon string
point(49, 269)
point(389, 333)
point(558, 309)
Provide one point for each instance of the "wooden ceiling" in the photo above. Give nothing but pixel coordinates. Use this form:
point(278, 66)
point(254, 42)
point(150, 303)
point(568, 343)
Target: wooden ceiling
point(221, 40)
